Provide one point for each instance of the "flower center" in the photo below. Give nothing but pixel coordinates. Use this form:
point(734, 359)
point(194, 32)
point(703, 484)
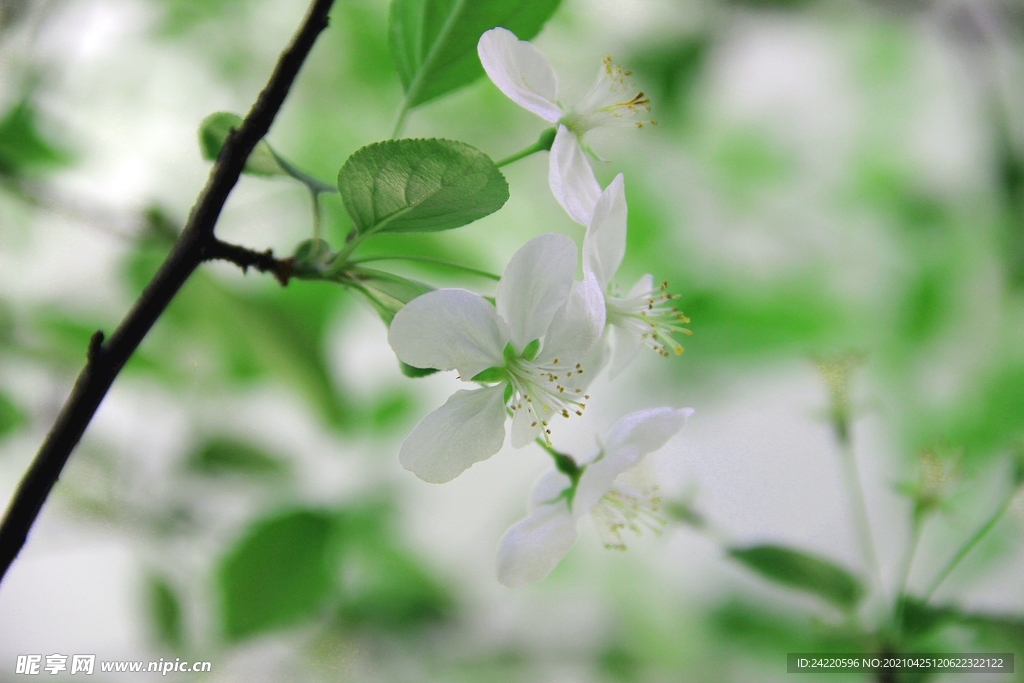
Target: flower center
point(610, 101)
point(650, 315)
point(629, 508)
point(544, 389)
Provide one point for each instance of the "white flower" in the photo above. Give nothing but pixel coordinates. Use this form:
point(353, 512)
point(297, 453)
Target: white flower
point(526, 348)
point(525, 75)
point(644, 315)
point(614, 488)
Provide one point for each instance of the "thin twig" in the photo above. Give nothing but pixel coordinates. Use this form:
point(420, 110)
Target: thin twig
point(195, 244)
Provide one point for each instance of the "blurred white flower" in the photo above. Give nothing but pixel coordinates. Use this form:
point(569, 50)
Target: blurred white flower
point(614, 488)
point(645, 315)
point(525, 75)
point(526, 349)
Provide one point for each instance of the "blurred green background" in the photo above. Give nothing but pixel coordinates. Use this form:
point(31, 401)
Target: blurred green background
point(835, 188)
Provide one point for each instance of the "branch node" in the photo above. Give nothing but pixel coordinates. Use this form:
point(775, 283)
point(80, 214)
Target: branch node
point(95, 347)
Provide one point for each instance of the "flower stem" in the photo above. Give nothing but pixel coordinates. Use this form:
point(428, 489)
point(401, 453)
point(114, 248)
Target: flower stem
point(427, 259)
point(403, 111)
point(915, 540)
point(969, 545)
point(543, 144)
point(855, 492)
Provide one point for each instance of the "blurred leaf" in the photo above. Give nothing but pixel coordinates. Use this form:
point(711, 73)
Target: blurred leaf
point(23, 148)
point(273, 333)
point(433, 42)
point(927, 304)
point(775, 4)
point(222, 455)
point(412, 371)
point(213, 133)
point(759, 627)
point(279, 573)
point(420, 186)
point(385, 586)
point(184, 14)
point(802, 571)
point(672, 69)
point(993, 416)
point(391, 410)
point(11, 11)
point(165, 609)
point(921, 618)
point(11, 416)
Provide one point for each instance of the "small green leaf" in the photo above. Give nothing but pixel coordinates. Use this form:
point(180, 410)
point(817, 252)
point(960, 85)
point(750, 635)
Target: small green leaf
point(509, 390)
point(11, 417)
point(802, 571)
point(222, 456)
point(214, 131)
point(23, 148)
point(419, 186)
point(531, 350)
point(493, 374)
point(433, 42)
point(413, 371)
point(278, 574)
point(166, 612)
point(509, 352)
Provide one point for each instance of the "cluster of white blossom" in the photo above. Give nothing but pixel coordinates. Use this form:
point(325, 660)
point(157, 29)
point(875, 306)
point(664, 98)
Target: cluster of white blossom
point(533, 353)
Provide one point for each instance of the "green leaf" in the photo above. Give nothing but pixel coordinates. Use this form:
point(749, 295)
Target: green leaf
point(802, 571)
point(414, 372)
point(433, 42)
point(497, 373)
point(23, 148)
point(278, 574)
point(166, 612)
point(419, 186)
point(11, 416)
point(213, 133)
point(224, 456)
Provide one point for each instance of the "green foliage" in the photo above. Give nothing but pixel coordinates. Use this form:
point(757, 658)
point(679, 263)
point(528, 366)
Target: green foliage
point(433, 42)
point(802, 571)
point(213, 133)
point(994, 416)
point(165, 610)
point(23, 147)
point(273, 333)
point(383, 584)
point(387, 292)
point(11, 416)
point(411, 371)
point(419, 186)
point(226, 456)
point(278, 574)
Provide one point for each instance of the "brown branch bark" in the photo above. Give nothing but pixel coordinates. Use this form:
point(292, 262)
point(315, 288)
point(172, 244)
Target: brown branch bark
point(196, 244)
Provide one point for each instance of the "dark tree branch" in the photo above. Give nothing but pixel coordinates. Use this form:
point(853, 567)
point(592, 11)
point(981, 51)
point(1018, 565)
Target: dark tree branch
point(195, 244)
point(263, 261)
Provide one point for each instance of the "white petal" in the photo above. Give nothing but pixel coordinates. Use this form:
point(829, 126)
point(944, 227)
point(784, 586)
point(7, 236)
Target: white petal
point(571, 179)
point(534, 546)
point(605, 243)
point(468, 428)
point(528, 423)
point(521, 71)
point(448, 329)
point(535, 284)
point(577, 325)
point(626, 343)
point(643, 286)
point(548, 488)
point(627, 442)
